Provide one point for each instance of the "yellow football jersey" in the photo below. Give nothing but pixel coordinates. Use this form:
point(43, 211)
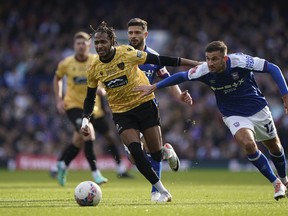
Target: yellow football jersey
point(119, 77)
point(75, 73)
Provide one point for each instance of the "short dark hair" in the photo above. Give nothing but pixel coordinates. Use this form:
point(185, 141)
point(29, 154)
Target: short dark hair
point(216, 46)
point(103, 28)
point(138, 22)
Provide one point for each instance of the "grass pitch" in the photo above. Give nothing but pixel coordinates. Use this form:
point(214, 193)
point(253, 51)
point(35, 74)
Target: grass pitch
point(195, 192)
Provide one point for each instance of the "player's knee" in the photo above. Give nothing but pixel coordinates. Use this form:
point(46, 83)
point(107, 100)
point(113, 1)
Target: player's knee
point(250, 147)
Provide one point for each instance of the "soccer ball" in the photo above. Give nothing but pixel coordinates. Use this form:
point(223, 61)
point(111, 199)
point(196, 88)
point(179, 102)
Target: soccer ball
point(88, 193)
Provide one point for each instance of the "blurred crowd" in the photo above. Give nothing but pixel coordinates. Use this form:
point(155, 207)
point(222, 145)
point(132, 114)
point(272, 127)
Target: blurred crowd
point(35, 35)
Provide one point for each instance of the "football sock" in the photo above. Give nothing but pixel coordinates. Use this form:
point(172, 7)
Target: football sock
point(121, 168)
point(89, 154)
point(69, 154)
point(115, 153)
point(155, 160)
point(260, 161)
point(96, 173)
point(279, 162)
point(142, 163)
point(159, 186)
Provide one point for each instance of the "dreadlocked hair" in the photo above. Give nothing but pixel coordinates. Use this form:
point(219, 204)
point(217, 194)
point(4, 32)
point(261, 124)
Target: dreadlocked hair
point(102, 28)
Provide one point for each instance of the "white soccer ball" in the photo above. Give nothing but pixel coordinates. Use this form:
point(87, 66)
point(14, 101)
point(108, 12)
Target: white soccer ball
point(88, 193)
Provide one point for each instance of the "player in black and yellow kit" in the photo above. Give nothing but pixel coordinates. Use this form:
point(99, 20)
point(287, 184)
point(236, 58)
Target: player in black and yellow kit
point(116, 67)
point(74, 69)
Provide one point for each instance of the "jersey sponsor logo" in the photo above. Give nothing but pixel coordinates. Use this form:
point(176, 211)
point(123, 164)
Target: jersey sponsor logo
point(228, 88)
point(249, 62)
point(79, 80)
point(117, 82)
point(139, 54)
point(121, 66)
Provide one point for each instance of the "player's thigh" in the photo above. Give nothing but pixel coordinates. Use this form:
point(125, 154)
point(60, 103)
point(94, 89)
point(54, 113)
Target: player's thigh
point(264, 125)
point(235, 123)
point(153, 139)
point(129, 136)
point(77, 139)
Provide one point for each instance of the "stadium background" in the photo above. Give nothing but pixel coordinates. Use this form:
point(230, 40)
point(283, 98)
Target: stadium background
point(36, 34)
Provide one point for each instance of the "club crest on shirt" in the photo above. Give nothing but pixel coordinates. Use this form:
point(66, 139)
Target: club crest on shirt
point(235, 76)
point(121, 66)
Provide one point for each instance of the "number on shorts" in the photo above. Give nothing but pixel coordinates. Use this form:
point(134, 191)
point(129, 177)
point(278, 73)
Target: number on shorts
point(269, 127)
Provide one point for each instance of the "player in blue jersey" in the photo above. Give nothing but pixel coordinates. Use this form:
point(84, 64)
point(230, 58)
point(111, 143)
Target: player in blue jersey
point(240, 101)
point(137, 34)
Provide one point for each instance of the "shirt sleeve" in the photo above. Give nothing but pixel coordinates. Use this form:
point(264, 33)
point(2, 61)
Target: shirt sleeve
point(61, 69)
point(136, 56)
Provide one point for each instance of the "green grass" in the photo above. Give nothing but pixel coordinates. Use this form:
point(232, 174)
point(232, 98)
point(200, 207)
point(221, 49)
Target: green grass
point(195, 192)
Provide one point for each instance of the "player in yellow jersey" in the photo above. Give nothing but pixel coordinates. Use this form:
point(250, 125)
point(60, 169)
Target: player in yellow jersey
point(116, 67)
point(74, 68)
point(137, 34)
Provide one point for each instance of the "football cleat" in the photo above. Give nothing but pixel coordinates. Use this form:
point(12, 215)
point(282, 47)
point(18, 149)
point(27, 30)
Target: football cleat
point(62, 173)
point(155, 196)
point(165, 197)
point(171, 156)
point(124, 175)
point(280, 190)
point(99, 179)
point(286, 185)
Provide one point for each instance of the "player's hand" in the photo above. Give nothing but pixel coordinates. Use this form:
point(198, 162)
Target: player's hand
point(85, 130)
point(186, 97)
point(146, 89)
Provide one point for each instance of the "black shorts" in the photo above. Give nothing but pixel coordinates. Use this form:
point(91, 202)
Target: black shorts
point(100, 125)
point(75, 117)
point(140, 118)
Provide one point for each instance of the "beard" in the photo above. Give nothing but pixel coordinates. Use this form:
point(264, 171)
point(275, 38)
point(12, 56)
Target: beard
point(137, 44)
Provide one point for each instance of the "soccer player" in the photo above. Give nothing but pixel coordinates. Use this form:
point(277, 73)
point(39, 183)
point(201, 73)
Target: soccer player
point(137, 34)
point(74, 68)
point(116, 67)
point(245, 110)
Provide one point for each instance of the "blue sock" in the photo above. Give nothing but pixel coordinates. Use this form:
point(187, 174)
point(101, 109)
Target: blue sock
point(279, 162)
point(260, 161)
point(157, 167)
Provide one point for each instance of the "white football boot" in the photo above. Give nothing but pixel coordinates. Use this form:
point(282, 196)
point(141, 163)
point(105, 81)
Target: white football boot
point(165, 197)
point(280, 190)
point(155, 196)
point(170, 155)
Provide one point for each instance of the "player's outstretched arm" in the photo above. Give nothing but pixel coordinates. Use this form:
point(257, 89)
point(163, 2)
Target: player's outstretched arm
point(279, 79)
point(285, 102)
point(145, 89)
point(170, 61)
point(169, 81)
